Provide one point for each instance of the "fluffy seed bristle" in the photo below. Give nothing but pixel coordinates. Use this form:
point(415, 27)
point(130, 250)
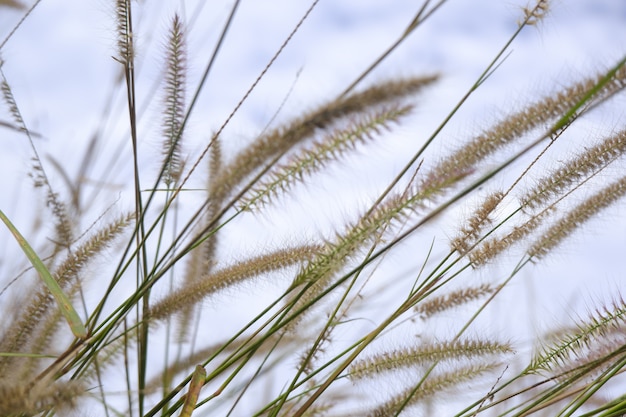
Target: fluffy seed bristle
point(331, 148)
point(174, 102)
point(280, 140)
point(491, 248)
point(435, 305)
point(196, 291)
point(576, 217)
point(24, 331)
point(589, 335)
point(550, 108)
point(434, 385)
point(575, 170)
point(475, 224)
point(424, 355)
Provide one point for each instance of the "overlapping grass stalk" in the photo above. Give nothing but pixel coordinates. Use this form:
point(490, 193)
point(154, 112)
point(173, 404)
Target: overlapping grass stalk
point(196, 302)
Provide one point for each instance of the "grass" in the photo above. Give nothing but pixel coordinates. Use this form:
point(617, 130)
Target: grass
point(188, 272)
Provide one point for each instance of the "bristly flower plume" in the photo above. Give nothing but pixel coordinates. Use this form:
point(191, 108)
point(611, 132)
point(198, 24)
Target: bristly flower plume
point(334, 145)
point(577, 217)
point(577, 169)
point(175, 77)
point(125, 47)
point(271, 146)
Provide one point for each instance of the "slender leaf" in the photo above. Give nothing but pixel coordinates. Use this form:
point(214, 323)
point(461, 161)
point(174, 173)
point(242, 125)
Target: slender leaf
point(77, 326)
point(197, 381)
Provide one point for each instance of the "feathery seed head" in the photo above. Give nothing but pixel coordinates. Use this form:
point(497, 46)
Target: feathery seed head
point(576, 170)
point(549, 108)
point(21, 398)
point(332, 147)
point(586, 344)
point(437, 304)
point(174, 102)
point(425, 355)
point(272, 145)
point(535, 14)
point(576, 217)
point(491, 248)
point(470, 232)
point(124, 32)
point(431, 387)
point(195, 291)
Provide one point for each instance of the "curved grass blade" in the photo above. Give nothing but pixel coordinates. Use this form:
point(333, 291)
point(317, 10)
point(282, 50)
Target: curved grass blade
point(197, 381)
point(68, 311)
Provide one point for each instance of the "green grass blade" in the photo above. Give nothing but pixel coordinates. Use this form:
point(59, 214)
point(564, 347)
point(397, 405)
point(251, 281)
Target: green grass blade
point(197, 381)
point(77, 326)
